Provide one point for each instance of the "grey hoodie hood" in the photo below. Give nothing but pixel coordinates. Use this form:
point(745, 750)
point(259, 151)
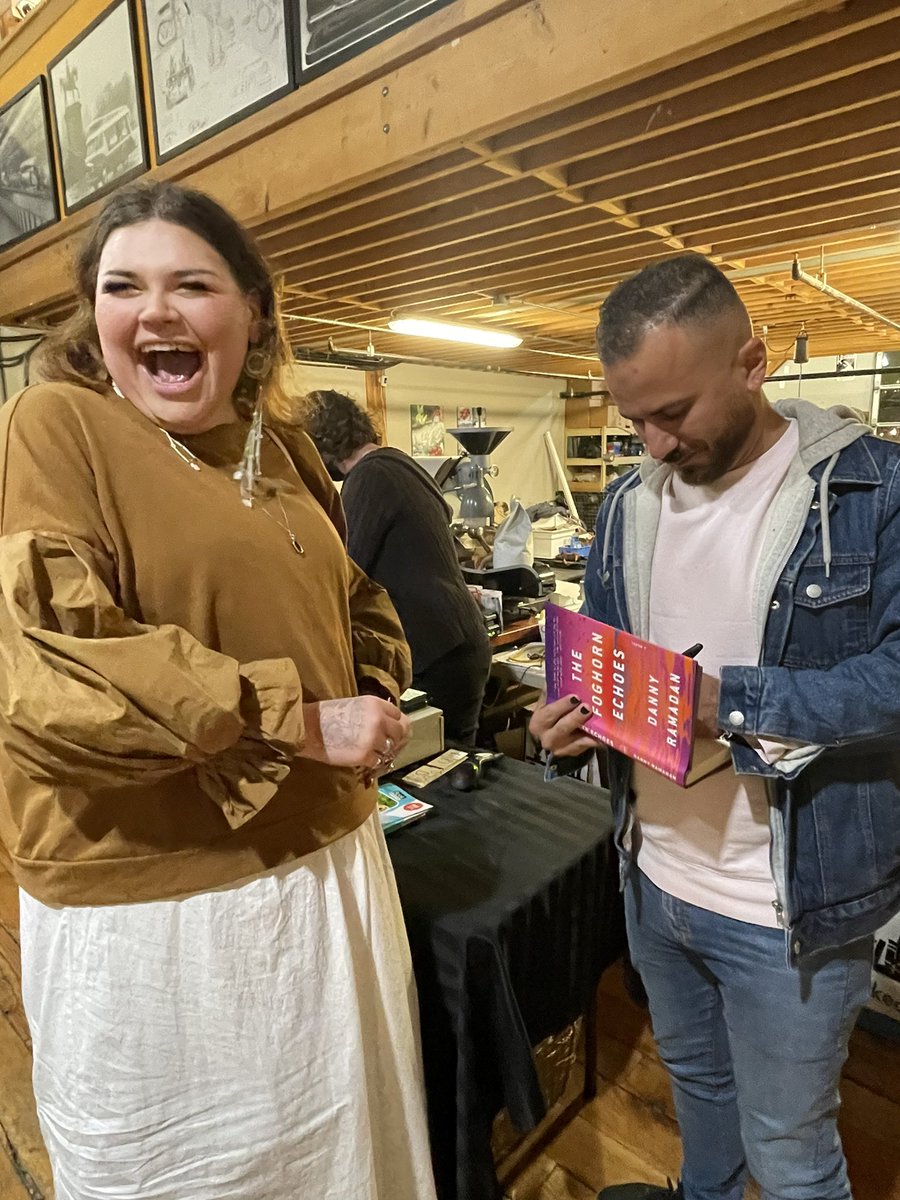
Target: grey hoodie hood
point(823, 432)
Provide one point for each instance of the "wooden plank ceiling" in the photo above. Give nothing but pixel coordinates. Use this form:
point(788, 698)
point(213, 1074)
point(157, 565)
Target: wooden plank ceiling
point(783, 144)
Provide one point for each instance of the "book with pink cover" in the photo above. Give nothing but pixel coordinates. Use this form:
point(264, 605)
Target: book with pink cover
point(642, 697)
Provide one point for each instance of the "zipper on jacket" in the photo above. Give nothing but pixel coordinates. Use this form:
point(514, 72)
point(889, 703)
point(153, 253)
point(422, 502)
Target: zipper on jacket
point(778, 862)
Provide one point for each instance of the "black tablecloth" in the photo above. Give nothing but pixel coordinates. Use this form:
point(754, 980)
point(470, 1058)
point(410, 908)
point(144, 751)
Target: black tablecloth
point(511, 903)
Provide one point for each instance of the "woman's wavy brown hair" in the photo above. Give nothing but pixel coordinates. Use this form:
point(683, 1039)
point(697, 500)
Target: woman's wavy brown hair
point(72, 354)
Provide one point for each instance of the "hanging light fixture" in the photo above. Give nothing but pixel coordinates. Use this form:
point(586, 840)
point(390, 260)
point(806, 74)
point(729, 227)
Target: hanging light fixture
point(449, 331)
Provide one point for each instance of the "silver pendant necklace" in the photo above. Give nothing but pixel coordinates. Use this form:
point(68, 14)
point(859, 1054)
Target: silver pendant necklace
point(298, 549)
point(182, 451)
point(188, 456)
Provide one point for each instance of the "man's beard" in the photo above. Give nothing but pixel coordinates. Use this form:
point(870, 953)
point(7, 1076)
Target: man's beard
point(719, 456)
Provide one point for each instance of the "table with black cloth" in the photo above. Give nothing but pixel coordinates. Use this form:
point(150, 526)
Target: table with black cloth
point(510, 895)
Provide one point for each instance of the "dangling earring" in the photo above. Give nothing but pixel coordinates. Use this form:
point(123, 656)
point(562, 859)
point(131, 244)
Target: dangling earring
point(249, 472)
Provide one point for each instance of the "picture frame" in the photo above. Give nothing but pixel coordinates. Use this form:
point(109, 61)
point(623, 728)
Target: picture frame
point(28, 198)
point(328, 32)
point(98, 116)
point(427, 432)
point(213, 62)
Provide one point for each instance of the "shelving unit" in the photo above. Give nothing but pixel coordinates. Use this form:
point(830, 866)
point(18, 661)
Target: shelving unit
point(589, 474)
point(606, 464)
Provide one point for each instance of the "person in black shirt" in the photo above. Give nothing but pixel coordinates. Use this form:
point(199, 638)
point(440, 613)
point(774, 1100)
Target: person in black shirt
point(399, 534)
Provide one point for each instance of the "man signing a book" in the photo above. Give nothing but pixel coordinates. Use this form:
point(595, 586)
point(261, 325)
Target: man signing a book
point(770, 533)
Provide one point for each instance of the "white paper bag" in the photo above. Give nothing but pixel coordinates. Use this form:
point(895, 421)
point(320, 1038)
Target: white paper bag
point(514, 541)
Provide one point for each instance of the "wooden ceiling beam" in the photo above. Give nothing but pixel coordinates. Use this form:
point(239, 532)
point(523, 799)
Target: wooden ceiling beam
point(844, 249)
point(520, 201)
point(291, 234)
point(851, 59)
point(489, 244)
point(540, 282)
point(881, 206)
point(757, 154)
point(842, 179)
point(751, 54)
point(813, 159)
point(770, 119)
point(822, 203)
point(442, 167)
point(503, 265)
point(316, 144)
point(786, 240)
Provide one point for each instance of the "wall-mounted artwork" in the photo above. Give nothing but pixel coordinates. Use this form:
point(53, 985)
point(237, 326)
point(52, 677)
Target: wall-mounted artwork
point(331, 31)
point(97, 110)
point(426, 424)
point(212, 62)
point(468, 418)
point(27, 180)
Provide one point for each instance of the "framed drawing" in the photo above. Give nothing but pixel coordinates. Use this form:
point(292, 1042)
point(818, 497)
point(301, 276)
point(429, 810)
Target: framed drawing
point(331, 31)
point(211, 63)
point(97, 114)
point(27, 178)
point(426, 429)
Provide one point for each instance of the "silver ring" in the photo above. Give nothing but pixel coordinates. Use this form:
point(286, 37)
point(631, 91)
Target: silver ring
point(385, 757)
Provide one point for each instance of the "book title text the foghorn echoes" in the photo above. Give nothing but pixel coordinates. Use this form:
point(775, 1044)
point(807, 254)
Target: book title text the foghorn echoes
point(641, 695)
point(663, 695)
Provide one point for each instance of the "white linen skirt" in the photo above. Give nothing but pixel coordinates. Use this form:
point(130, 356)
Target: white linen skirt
point(258, 1042)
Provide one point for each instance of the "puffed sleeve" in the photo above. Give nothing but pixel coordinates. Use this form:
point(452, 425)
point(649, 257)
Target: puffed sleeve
point(91, 698)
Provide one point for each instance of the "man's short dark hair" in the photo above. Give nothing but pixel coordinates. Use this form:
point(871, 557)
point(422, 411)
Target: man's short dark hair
point(337, 425)
point(684, 290)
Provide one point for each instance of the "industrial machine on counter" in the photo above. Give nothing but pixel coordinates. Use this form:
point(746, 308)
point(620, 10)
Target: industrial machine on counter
point(523, 587)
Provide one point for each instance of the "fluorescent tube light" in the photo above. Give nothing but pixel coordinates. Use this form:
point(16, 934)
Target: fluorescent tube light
point(449, 332)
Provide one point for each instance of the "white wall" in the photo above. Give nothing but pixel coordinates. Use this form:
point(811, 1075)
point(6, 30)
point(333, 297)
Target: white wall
point(854, 391)
point(528, 405)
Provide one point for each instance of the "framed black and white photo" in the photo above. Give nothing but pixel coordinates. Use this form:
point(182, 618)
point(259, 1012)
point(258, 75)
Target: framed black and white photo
point(27, 178)
point(98, 117)
point(211, 63)
point(331, 31)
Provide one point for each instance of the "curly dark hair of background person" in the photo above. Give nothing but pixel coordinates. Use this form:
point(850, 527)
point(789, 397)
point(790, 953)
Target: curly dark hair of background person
point(338, 425)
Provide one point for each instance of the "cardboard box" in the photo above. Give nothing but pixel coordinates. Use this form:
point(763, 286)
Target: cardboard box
point(426, 740)
point(593, 412)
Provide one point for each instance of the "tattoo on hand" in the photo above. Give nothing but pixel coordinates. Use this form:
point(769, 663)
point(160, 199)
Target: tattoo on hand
point(342, 725)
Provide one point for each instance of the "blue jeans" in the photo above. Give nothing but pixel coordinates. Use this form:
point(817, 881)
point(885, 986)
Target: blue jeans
point(753, 1046)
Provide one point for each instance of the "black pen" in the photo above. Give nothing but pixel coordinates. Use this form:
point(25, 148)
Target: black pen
point(693, 651)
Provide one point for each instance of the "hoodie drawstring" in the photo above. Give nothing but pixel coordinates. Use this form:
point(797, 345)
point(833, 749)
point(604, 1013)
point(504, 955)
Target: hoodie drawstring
point(826, 517)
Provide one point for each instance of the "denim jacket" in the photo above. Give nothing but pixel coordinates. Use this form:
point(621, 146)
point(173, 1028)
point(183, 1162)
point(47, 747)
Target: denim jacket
point(826, 598)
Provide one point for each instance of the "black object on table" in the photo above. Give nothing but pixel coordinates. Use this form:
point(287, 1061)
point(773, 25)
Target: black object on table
point(510, 895)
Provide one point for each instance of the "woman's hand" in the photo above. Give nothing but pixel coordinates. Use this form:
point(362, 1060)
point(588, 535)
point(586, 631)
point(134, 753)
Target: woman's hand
point(360, 731)
point(557, 727)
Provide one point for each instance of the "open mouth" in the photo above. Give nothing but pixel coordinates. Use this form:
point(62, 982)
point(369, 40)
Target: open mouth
point(171, 365)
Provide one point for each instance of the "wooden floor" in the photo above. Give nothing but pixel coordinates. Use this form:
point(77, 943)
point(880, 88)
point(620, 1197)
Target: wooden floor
point(628, 1132)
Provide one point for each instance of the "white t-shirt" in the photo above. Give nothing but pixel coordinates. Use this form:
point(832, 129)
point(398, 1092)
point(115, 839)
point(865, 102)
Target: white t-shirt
point(709, 844)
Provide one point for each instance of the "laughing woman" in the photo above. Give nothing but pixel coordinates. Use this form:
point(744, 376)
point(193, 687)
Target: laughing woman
point(195, 683)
